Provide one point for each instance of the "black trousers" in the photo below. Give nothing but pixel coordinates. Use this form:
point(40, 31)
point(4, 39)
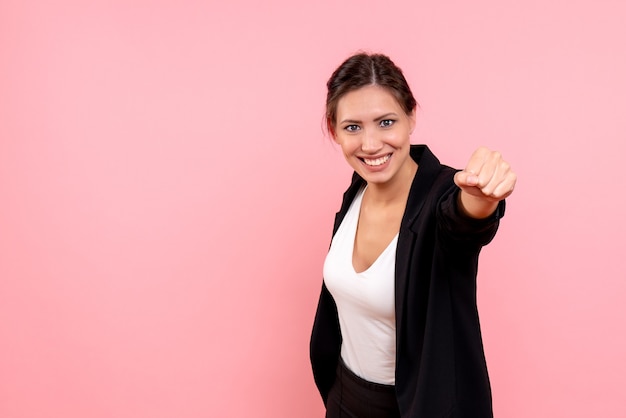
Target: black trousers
point(354, 397)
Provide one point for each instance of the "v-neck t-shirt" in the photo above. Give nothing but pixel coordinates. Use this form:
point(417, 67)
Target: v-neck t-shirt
point(365, 302)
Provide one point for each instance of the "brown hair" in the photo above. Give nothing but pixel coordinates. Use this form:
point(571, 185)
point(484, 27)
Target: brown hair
point(362, 70)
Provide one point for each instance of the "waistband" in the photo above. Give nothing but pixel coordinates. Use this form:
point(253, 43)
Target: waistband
point(344, 372)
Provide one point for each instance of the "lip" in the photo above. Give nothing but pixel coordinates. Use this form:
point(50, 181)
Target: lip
point(375, 157)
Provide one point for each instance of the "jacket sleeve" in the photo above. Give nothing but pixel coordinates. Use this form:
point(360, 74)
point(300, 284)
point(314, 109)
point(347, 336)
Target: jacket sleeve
point(458, 228)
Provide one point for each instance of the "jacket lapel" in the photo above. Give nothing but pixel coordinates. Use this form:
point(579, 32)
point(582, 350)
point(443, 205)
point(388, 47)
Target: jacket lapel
point(428, 168)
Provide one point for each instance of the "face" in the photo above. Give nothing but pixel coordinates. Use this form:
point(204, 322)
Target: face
point(373, 131)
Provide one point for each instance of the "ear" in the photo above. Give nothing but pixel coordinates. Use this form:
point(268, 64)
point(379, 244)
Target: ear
point(331, 131)
point(412, 120)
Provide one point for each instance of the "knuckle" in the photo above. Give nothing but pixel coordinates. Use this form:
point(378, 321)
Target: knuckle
point(487, 190)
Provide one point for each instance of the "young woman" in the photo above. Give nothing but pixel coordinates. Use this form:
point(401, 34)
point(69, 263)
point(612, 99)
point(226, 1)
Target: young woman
point(396, 332)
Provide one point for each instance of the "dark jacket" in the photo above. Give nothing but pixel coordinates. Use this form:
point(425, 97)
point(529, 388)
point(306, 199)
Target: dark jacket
point(440, 364)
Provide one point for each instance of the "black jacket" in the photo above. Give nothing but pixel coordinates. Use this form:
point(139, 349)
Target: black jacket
point(440, 364)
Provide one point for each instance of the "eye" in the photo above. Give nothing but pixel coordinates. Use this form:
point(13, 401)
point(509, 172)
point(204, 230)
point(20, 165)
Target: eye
point(385, 123)
point(351, 128)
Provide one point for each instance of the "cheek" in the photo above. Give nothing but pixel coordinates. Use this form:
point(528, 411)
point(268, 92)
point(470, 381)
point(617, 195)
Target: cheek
point(401, 137)
point(348, 143)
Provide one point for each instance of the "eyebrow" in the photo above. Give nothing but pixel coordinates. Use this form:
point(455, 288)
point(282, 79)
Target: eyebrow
point(385, 116)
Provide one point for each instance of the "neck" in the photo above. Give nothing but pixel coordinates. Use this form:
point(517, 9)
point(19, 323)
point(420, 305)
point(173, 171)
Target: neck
point(396, 190)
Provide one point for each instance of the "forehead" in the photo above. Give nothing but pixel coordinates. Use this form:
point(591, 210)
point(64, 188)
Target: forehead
point(368, 101)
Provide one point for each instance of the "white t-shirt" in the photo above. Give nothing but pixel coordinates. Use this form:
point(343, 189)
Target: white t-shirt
point(365, 303)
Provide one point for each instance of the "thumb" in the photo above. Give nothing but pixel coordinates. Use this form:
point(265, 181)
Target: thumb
point(465, 179)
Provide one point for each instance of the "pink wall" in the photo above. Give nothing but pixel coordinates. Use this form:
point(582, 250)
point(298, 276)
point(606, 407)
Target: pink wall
point(167, 196)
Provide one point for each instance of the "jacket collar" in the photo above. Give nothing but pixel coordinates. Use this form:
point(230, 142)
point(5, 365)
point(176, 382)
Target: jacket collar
point(428, 168)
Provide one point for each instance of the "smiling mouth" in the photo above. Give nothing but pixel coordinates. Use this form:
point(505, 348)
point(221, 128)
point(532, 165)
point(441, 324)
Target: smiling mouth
point(376, 162)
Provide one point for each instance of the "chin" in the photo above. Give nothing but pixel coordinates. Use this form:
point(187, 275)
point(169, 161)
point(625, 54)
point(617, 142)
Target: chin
point(377, 178)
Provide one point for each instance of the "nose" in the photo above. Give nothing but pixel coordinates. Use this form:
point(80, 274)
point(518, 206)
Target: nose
point(371, 141)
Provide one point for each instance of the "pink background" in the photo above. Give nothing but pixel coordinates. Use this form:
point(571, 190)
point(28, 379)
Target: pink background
point(167, 196)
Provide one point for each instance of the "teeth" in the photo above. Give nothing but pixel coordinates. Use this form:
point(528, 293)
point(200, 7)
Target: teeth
point(377, 161)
